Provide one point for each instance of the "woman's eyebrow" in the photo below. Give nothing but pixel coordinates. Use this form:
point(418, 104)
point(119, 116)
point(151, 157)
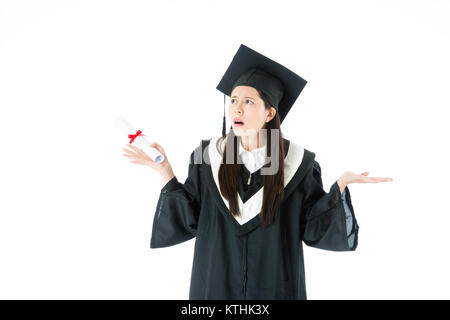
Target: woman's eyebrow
point(244, 97)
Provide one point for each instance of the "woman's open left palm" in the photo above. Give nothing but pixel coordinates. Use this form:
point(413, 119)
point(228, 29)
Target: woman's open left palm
point(351, 177)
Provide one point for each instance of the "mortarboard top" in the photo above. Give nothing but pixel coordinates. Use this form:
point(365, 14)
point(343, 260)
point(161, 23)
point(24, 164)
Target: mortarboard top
point(253, 69)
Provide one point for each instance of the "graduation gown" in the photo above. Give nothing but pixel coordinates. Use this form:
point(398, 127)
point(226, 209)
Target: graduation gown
point(247, 261)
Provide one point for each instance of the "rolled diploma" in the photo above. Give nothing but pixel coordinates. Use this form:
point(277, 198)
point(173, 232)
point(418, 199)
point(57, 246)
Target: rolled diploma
point(139, 141)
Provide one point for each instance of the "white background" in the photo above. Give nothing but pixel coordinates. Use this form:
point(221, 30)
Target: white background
point(76, 215)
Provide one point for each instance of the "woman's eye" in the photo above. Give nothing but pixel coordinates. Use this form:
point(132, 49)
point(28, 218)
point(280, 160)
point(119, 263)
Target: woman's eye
point(232, 101)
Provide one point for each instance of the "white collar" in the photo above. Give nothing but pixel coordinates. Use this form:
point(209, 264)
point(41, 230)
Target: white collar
point(255, 151)
point(253, 159)
point(252, 206)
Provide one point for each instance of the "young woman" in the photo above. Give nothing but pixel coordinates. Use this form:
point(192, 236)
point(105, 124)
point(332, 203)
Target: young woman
point(251, 196)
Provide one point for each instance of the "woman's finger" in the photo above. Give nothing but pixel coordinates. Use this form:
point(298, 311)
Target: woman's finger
point(129, 151)
point(376, 179)
point(382, 178)
point(133, 147)
point(157, 146)
point(139, 152)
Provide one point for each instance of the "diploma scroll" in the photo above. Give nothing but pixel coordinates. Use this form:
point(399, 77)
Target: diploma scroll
point(136, 137)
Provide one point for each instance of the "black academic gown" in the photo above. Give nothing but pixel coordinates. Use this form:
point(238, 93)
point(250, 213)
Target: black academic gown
point(248, 261)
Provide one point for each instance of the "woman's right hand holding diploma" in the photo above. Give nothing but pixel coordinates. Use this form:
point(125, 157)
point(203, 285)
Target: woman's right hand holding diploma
point(140, 157)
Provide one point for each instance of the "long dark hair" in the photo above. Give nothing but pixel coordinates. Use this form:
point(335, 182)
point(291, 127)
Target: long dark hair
point(230, 173)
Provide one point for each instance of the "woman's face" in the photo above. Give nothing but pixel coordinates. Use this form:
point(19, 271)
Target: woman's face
point(248, 107)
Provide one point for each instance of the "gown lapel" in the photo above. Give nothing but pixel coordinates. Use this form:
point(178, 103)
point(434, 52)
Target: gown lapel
point(250, 184)
point(297, 161)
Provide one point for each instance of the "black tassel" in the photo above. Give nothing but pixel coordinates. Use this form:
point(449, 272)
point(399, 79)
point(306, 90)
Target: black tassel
point(223, 127)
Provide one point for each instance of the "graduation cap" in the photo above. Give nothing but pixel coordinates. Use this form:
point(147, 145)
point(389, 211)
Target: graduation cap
point(250, 68)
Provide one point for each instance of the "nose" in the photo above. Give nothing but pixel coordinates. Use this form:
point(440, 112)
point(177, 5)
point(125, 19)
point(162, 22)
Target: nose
point(237, 107)
point(235, 110)
point(237, 113)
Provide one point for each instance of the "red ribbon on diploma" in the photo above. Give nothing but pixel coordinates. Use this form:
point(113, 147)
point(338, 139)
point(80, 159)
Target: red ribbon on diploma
point(133, 136)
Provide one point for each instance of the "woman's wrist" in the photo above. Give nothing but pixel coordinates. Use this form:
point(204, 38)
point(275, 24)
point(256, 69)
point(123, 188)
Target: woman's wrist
point(342, 184)
point(166, 173)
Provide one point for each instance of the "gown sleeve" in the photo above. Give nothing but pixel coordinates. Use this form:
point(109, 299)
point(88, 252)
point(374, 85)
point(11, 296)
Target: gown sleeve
point(329, 220)
point(178, 210)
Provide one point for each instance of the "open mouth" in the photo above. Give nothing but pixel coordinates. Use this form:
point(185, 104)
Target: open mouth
point(238, 123)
